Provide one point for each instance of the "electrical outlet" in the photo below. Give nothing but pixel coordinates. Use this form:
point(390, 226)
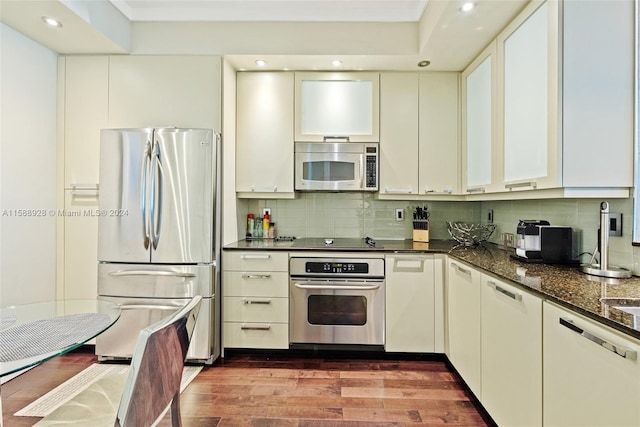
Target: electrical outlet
point(490, 216)
point(510, 240)
point(399, 214)
point(266, 211)
point(615, 224)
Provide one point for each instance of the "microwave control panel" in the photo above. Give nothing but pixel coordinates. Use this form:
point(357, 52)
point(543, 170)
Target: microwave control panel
point(371, 165)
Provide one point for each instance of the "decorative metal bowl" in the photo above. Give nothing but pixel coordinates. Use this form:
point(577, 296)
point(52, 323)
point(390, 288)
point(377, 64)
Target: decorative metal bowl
point(469, 233)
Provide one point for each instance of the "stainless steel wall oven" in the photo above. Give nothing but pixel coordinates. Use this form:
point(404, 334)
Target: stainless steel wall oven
point(337, 301)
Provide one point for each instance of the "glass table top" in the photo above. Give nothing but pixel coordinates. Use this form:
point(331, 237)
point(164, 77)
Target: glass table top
point(33, 333)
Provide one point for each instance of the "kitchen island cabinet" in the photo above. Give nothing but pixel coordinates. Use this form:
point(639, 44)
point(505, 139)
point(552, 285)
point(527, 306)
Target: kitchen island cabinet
point(587, 383)
point(414, 315)
point(264, 135)
point(255, 288)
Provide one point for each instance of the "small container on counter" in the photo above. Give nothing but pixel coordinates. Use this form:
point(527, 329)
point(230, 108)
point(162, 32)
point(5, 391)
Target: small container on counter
point(257, 229)
point(250, 225)
point(272, 230)
point(265, 225)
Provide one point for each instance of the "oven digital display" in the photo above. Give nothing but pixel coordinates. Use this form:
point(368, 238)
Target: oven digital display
point(337, 267)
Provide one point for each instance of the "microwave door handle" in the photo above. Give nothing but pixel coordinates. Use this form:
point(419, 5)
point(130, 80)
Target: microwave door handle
point(361, 172)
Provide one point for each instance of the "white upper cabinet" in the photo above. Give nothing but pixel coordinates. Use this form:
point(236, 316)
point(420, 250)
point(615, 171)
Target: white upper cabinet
point(598, 93)
point(399, 162)
point(565, 98)
point(418, 135)
point(264, 135)
point(180, 91)
point(337, 107)
point(438, 134)
point(480, 170)
point(86, 103)
point(529, 75)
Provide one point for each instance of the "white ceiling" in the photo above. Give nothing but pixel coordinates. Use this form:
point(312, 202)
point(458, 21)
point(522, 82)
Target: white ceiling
point(291, 34)
point(273, 10)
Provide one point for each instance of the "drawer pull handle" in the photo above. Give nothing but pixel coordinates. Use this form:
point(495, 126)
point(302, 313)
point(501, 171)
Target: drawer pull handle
point(255, 328)
point(256, 301)
point(256, 276)
point(85, 190)
point(531, 184)
point(264, 189)
point(503, 291)
point(461, 270)
point(255, 256)
point(476, 190)
point(445, 191)
point(620, 351)
point(336, 138)
point(398, 190)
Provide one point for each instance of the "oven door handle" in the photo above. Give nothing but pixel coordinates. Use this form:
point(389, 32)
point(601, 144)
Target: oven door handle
point(350, 287)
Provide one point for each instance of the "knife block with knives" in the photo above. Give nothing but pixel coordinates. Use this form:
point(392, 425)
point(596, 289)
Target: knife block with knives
point(421, 224)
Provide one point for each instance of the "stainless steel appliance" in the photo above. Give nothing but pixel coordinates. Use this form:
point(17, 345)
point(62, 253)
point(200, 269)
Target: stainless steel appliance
point(539, 241)
point(336, 166)
point(337, 301)
point(158, 233)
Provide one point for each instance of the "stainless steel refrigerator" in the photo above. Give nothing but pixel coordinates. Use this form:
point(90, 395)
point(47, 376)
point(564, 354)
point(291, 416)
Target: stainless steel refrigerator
point(158, 233)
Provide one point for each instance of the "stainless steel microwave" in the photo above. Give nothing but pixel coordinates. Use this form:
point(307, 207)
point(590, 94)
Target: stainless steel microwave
point(336, 166)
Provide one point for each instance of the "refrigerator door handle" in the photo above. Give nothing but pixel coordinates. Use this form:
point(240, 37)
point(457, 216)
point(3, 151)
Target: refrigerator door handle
point(144, 199)
point(122, 273)
point(156, 196)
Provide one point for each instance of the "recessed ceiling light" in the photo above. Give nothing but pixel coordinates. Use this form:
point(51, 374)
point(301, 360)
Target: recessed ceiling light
point(261, 62)
point(336, 63)
point(467, 7)
point(424, 63)
point(52, 22)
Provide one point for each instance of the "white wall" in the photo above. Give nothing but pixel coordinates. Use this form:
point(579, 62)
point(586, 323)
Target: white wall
point(27, 169)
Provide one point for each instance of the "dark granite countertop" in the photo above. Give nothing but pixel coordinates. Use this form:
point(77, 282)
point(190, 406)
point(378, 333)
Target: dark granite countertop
point(564, 285)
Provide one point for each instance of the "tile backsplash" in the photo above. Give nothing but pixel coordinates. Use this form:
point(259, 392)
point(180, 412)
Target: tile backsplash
point(358, 215)
point(361, 214)
point(583, 215)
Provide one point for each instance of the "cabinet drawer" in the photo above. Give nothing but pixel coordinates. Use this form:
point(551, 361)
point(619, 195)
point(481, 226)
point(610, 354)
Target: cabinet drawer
point(255, 283)
point(252, 309)
point(256, 335)
point(255, 261)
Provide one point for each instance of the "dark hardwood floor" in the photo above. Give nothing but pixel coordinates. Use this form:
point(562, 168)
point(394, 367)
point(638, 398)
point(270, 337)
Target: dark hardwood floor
point(291, 389)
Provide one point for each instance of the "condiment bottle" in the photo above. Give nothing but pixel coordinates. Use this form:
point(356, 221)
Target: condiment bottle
point(272, 230)
point(250, 225)
point(265, 225)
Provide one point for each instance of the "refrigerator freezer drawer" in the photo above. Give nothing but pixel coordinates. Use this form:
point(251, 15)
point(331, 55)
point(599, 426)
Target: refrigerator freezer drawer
point(155, 281)
point(118, 342)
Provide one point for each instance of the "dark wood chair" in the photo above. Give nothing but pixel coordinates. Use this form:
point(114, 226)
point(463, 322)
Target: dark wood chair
point(151, 386)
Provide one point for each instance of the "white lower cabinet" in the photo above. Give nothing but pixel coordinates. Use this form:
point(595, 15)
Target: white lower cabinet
point(588, 383)
point(463, 319)
point(414, 304)
point(80, 245)
point(255, 289)
point(511, 354)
